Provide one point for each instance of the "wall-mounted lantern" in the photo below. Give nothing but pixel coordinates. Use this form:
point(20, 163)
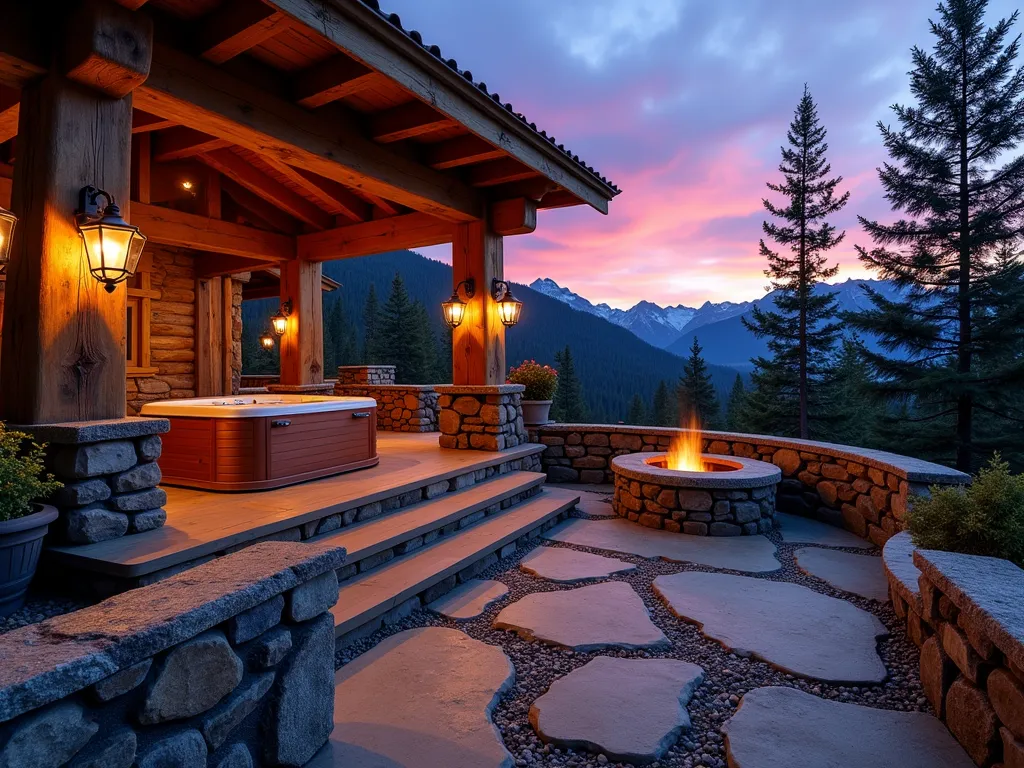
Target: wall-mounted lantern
point(455, 308)
point(267, 340)
point(7, 222)
point(509, 306)
point(280, 320)
point(112, 245)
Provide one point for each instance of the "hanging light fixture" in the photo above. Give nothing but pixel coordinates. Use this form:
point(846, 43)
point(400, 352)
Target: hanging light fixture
point(455, 308)
point(509, 306)
point(280, 320)
point(267, 340)
point(112, 245)
point(7, 222)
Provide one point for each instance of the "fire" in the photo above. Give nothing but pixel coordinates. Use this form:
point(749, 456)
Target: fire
point(684, 454)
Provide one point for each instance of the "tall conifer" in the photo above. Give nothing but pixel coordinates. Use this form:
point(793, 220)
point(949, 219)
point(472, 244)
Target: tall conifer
point(695, 392)
point(373, 352)
point(801, 331)
point(568, 403)
point(664, 412)
point(957, 176)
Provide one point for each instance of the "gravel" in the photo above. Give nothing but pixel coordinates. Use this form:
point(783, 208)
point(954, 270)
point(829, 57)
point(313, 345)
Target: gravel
point(727, 676)
point(38, 607)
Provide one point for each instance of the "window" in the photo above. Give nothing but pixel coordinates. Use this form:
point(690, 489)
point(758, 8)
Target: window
point(137, 314)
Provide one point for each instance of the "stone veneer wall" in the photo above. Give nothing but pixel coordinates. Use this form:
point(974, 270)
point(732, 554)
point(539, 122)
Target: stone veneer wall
point(110, 475)
point(400, 407)
point(366, 374)
point(229, 664)
point(483, 418)
point(863, 490)
point(967, 615)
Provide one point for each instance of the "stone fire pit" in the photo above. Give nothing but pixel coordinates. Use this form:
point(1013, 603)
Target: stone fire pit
point(736, 497)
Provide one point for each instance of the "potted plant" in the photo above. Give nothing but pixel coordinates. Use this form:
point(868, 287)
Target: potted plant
point(23, 521)
point(540, 382)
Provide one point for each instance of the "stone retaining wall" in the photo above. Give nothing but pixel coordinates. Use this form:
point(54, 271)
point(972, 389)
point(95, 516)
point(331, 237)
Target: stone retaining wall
point(400, 407)
point(366, 374)
point(110, 474)
point(967, 615)
point(483, 418)
point(863, 490)
point(229, 664)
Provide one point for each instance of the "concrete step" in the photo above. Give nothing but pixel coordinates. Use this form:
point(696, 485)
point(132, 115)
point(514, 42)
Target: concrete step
point(395, 589)
point(408, 525)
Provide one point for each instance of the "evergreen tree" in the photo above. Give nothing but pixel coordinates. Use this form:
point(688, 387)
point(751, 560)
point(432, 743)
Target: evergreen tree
point(802, 330)
point(695, 392)
point(664, 414)
point(637, 411)
point(856, 417)
point(568, 404)
point(734, 422)
point(958, 176)
point(443, 373)
point(373, 346)
point(422, 347)
point(401, 337)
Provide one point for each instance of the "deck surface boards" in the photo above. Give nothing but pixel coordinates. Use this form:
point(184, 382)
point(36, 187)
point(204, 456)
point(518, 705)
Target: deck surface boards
point(204, 522)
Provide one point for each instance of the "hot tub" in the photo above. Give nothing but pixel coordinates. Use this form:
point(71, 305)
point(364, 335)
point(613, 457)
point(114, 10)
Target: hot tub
point(257, 442)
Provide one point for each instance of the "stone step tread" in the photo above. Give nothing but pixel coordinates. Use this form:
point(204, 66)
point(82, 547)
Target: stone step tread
point(370, 595)
point(364, 539)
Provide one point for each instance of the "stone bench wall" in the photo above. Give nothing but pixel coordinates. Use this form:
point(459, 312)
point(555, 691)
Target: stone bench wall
point(967, 616)
point(229, 664)
point(482, 418)
point(400, 407)
point(366, 374)
point(862, 490)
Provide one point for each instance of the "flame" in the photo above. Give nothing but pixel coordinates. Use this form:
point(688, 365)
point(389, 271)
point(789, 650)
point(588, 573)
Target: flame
point(684, 454)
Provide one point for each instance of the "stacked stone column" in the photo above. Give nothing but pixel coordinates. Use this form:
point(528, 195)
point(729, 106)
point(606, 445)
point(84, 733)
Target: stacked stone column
point(482, 418)
point(110, 474)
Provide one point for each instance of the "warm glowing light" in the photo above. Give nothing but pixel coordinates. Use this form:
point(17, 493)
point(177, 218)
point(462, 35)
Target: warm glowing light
point(280, 323)
point(112, 245)
point(454, 310)
point(684, 454)
point(267, 341)
point(7, 222)
point(508, 305)
point(187, 185)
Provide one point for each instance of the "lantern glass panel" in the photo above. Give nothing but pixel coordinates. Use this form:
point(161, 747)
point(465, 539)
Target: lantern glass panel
point(508, 311)
point(7, 222)
point(454, 311)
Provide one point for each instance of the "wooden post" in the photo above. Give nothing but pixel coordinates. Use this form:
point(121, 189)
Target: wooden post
point(209, 337)
point(302, 346)
point(478, 344)
point(63, 351)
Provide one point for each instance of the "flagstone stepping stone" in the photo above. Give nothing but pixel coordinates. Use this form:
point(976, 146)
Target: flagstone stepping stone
point(469, 600)
point(803, 530)
point(860, 574)
point(422, 697)
point(787, 625)
point(568, 566)
point(754, 554)
point(786, 728)
point(631, 710)
point(608, 615)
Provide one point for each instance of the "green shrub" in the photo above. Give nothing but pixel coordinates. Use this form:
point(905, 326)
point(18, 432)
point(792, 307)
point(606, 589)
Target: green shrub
point(983, 518)
point(22, 479)
point(540, 380)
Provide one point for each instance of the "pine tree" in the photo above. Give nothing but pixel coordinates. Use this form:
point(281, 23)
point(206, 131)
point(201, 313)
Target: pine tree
point(695, 392)
point(737, 394)
point(373, 348)
point(956, 173)
point(856, 416)
point(568, 403)
point(401, 338)
point(664, 414)
point(422, 347)
point(638, 415)
point(802, 330)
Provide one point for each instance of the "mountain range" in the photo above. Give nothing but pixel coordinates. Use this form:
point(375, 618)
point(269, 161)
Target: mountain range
point(612, 363)
point(718, 327)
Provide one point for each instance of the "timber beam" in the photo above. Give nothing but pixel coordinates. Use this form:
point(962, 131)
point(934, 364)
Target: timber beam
point(143, 122)
point(406, 121)
point(190, 91)
point(462, 150)
point(220, 265)
point(334, 198)
point(330, 80)
point(180, 142)
point(499, 172)
point(411, 230)
point(186, 230)
point(9, 109)
point(235, 27)
point(239, 170)
point(513, 217)
point(108, 48)
point(255, 205)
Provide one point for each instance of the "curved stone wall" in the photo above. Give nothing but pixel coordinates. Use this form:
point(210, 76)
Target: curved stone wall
point(862, 490)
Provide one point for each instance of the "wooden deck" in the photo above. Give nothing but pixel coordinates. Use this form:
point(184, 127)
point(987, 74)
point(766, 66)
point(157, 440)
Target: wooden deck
point(201, 523)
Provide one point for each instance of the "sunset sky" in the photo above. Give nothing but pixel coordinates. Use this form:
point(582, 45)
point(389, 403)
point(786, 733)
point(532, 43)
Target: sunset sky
point(683, 104)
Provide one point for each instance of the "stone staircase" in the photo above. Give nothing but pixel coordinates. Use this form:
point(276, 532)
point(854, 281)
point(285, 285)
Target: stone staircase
point(399, 562)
